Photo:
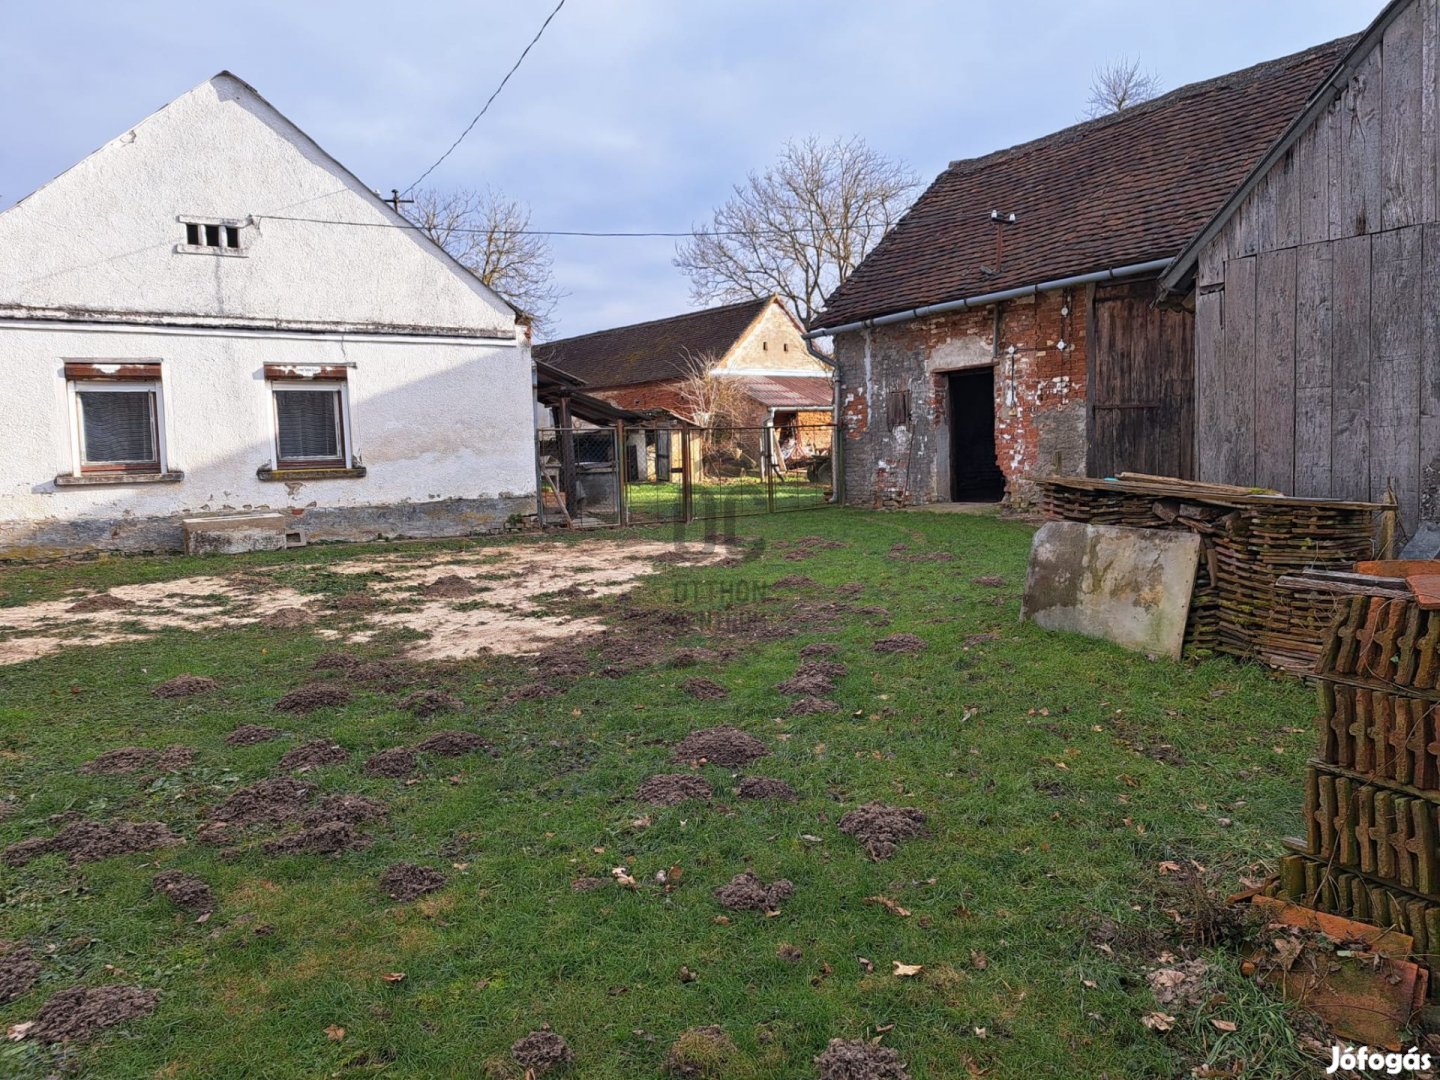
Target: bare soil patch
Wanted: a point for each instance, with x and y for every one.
(423, 703)
(724, 745)
(860, 1060)
(882, 829)
(746, 892)
(586, 884)
(811, 706)
(699, 1052)
(265, 802)
(532, 692)
(406, 881)
(765, 787)
(329, 838)
(347, 808)
(813, 678)
(175, 758)
(100, 602)
(251, 734)
(18, 970)
(795, 581)
(314, 754)
(849, 590)
(704, 689)
(79, 1012)
(184, 890)
(450, 587)
(86, 841)
(287, 618)
(355, 601)
(451, 743)
(819, 648)
(312, 696)
(394, 763)
(671, 789)
(994, 581)
(542, 1051)
(125, 759)
(900, 643)
(185, 686)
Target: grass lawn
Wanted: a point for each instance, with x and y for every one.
(1070, 789)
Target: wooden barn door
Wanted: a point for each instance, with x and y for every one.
(1140, 390)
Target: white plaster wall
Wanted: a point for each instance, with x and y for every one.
(101, 237)
(431, 419)
(777, 329)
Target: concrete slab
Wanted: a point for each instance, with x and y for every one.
(1129, 586)
(230, 534)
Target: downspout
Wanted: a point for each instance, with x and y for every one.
(1154, 266)
(837, 438)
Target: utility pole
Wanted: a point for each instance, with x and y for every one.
(395, 200)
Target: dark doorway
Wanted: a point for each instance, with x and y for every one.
(974, 474)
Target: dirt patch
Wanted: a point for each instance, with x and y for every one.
(314, 754)
(18, 971)
(265, 802)
(764, 787)
(882, 829)
(818, 649)
(699, 1052)
(405, 881)
(859, 1060)
(704, 689)
(795, 581)
(350, 809)
(542, 1051)
(423, 703)
(451, 743)
(329, 838)
(175, 758)
(532, 692)
(184, 890)
(286, 618)
(850, 589)
(251, 734)
(900, 643)
(126, 759)
(672, 789)
(449, 587)
(811, 706)
(813, 678)
(86, 841)
(994, 581)
(723, 745)
(355, 601)
(394, 764)
(586, 884)
(683, 658)
(79, 1012)
(185, 686)
(311, 696)
(100, 602)
(746, 892)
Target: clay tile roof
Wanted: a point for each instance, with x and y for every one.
(788, 391)
(1123, 189)
(651, 351)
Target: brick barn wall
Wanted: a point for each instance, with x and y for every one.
(1039, 398)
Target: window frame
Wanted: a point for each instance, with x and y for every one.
(224, 227)
(80, 467)
(341, 389)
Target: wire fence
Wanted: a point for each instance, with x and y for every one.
(639, 475)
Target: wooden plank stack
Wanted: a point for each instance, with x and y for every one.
(1372, 796)
(1251, 540)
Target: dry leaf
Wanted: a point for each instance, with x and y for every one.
(864, 963)
(979, 960)
(334, 1033)
(622, 877)
(1158, 1021)
(1224, 1025)
(905, 971)
(1168, 867)
(889, 905)
(393, 977)
(16, 1032)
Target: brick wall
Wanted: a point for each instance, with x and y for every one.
(1039, 397)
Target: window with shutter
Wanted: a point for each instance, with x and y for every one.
(309, 427)
(117, 430)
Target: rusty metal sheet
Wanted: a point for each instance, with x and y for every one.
(1126, 585)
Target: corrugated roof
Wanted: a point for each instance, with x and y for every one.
(788, 391)
(1123, 189)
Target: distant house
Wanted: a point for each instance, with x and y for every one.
(1006, 325)
(210, 315)
(1316, 287)
(757, 344)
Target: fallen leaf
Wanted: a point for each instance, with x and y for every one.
(1168, 867)
(889, 905)
(393, 977)
(864, 963)
(1158, 1021)
(16, 1032)
(905, 971)
(622, 877)
(979, 960)
(1224, 1025)
(334, 1033)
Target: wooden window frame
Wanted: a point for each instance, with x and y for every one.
(80, 466)
(341, 389)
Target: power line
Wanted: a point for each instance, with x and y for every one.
(490, 99)
(564, 232)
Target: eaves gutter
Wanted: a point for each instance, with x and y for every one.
(1154, 266)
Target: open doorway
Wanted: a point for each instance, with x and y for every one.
(975, 475)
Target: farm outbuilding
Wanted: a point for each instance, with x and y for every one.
(1316, 287)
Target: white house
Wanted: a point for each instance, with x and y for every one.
(211, 315)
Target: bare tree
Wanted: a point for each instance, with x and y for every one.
(485, 232)
(799, 228)
(1119, 84)
(717, 406)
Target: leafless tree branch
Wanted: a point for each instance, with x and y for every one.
(1119, 84)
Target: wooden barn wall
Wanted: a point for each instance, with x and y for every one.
(1140, 398)
(1317, 308)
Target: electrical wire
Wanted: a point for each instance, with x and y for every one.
(489, 100)
(559, 232)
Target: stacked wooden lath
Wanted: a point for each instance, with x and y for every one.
(1372, 801)
(1250, 543)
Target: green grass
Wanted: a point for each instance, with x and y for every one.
(1048, 826)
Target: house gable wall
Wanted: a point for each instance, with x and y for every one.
(775, 345)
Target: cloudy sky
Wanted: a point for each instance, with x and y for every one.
(629, 114)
